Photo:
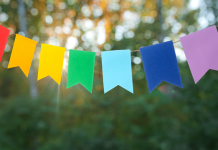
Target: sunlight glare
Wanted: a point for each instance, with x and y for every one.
(65, 64)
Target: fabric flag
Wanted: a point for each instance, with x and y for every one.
(116, 66)
(4, 34)
(160, 64)
(22, 53)
(51, 62)
(81, 69)
(201, 50)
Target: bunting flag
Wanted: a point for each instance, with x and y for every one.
(51, 62)
(116, 66)
(160, 64)
(3, 39)
(201, 50)
(159, 61)
(81, 69)
(22, 53)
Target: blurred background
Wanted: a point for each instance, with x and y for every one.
(45, 116)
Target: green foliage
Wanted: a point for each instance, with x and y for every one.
(115, 124)
(184, 119)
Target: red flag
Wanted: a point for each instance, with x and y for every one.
(4, 33)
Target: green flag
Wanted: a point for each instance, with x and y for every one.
(81, 69)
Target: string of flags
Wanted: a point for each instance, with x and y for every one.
(159, 61)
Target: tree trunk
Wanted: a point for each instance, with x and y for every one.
(23, 28)
(160, 20)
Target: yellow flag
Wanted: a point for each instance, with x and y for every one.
(51, 62)
(22, 53)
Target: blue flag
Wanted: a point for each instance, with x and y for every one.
(116, 66)
(160, 64)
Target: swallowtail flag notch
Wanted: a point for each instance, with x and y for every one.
(51, 62)
(116, 66)
(201, 50)
(160, 64)
(22, 53)
(4, 34)
(81, 69)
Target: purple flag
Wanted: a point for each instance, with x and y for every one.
(201, 50)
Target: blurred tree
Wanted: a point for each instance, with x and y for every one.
(23, 28)
(160, 19)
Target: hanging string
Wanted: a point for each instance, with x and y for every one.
(131, 51)
(99, 53)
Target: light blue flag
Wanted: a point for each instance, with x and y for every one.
(116, 66)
